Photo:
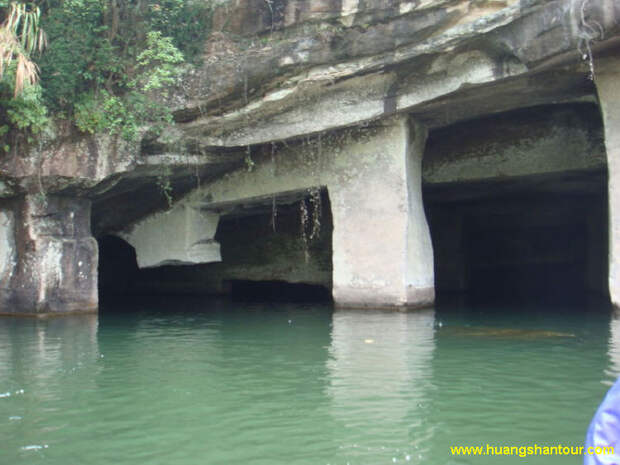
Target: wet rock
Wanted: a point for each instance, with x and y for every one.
(282, 71)
(49, 256)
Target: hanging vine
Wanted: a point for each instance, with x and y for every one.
(588, 31)
(274, 212)
(310, 219)
(165, 186)
(303, 218)
(274, 205)
(249, 163)
(315, 203)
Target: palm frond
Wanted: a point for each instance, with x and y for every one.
(26, 73)
(20, 36)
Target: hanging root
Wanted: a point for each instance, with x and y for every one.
(588, 30)
(303, 218)
(315, 202)
(274, 212)
(249, 163)
(165, 187)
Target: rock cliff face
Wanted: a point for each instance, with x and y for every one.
(286, 69)
(279, 73)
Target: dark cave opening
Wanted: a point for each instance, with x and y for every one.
(118, 268)
(526, 261)
(277, 291)
(267, 255)
(276, 251)
(528, 246)
(517, 205)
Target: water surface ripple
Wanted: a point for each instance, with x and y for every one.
(201, 382)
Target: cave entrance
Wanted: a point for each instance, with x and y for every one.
(525, 247)
(277, 291)
(118, 268)
(532, 232)
(276, 248)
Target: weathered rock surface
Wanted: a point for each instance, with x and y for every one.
(287, 69)
(608, 85)
(382, 253)
(49, 256)
(180, 236)
(372, 61)
(287, 72)
(536, 141)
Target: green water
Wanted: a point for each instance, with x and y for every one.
(190, 382)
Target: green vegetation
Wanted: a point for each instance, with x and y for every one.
(96, 63)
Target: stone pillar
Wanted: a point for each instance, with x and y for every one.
(608, 86)
(48, 259)
(382, 251)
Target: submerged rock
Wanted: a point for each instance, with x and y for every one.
(508, 333)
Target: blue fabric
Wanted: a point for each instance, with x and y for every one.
(604, 430)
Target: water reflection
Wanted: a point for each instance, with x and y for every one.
(614, 345)
(38, 359)
(183, 381)
(380, 370)
(36, 351)
(218, 380)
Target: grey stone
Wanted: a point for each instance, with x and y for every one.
(180, 236)
(50, 259)
(331, 85)
(382, 254)
(608, 85)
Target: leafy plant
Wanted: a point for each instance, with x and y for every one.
(106, 66)
(158, 64)
(80, 57)
(99, 112)
(20, 37)
(22, 117)
(26, 111)
(186, 22)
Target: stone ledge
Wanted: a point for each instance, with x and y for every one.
(50, 314)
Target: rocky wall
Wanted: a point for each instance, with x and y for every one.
(537, 141)
(49, 259)
(373, 178)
